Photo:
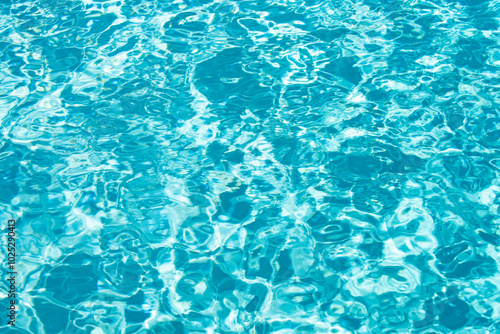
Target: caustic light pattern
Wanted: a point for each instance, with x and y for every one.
(284, 166)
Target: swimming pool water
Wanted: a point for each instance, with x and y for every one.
(207, 166)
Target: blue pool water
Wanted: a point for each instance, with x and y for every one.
(281, 167)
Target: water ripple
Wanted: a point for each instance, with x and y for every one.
(253, 166)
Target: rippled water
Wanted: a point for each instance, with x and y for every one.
(254, 166)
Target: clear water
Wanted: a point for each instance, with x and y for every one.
(252, 166)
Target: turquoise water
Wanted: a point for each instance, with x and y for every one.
(252, 167)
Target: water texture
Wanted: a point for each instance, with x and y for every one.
(252, 166)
